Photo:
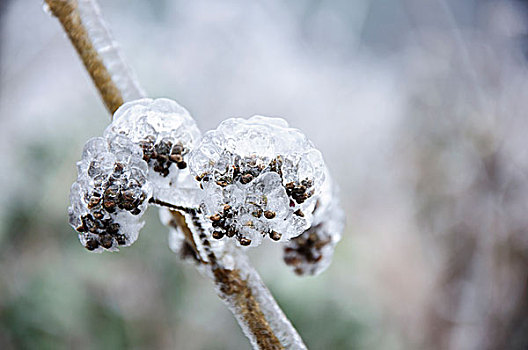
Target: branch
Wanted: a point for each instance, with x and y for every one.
(241, 288)
(88, 34)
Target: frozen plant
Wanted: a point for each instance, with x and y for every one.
(250, 179)
(110, 194)
(165, 132)
(311, 253)
(260, 178)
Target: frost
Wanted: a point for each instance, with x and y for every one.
(165, 132)
(110, 194)
(259, 178)
(311, 253)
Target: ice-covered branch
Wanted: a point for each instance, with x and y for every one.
(237, 283)
(101, 57)
(248, 192)
(142, 159)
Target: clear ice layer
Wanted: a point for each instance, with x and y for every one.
(165, 132)
(108, 50)
(311, 253)
(198, 247)
(110, 194)
(260, 178)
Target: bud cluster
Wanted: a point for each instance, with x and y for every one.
(110, 194)
(311, 252)
(165, 132)
(259, 178)
(249, 179)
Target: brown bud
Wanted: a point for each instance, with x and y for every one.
(246, 178)
(176, 158)
(109, 205)
(218, 234)
(221, 183)
(215, 217)
(244, 241)
(91, 244)
(113, 228)
(231, 232)
(118, 167)
(298, 212)
(106, 241)
(274, 235)
(268, 214)
(121, 240)
(93, 202)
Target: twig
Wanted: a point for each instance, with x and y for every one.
(240, 288)
(115, 87)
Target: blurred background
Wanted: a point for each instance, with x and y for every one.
(420, 108)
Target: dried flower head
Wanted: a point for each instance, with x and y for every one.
(260, 178)
(165, 132)
(110, 194)
(311, 253)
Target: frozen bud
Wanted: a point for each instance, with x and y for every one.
(110, 194)
(260, 178)
(164, 131)
(311, 253)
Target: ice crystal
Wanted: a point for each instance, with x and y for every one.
(110, 194)
(259, 178)
(165, 132)
(311, 253)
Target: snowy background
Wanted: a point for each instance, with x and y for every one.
(418, 106)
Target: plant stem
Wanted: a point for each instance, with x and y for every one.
(241, 287)
(171, 206)
(97, 50)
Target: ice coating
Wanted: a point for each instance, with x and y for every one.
(165, 132)
(260, 178)
(198, 247)
(110, 194)
(311, 253)
(108, 50)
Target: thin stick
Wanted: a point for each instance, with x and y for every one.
(115, 89)
(171, 206)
